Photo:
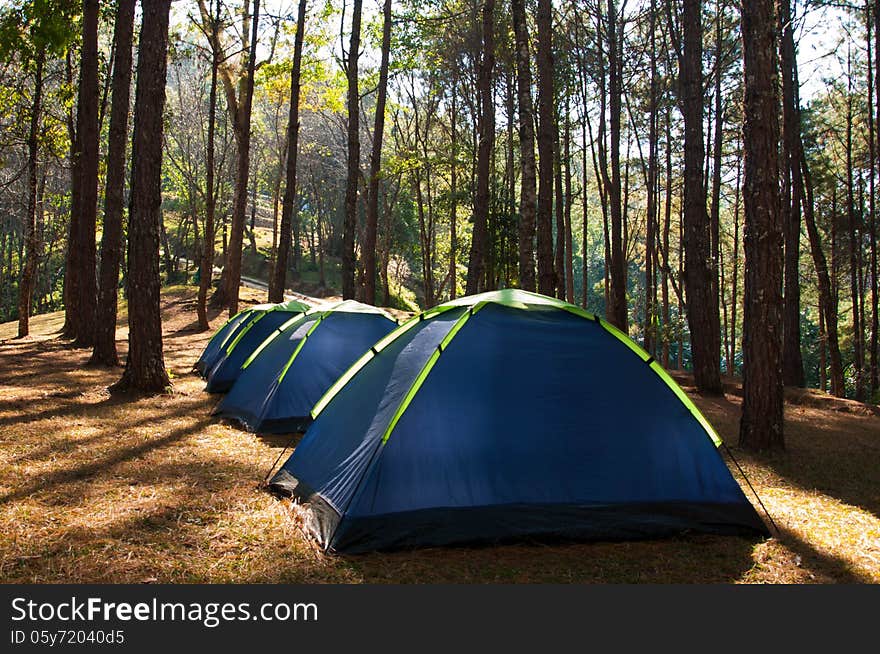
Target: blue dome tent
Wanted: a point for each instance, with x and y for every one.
(296, 364)
(508, 415)
(250, 332)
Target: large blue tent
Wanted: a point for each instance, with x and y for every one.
(244, 339)
(296, 364)
(508, 415)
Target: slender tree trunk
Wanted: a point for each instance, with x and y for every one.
(858, 352)
(702, 309)
(349, 227)
(559, 211)
(544, 215)
(569, 252)
(231, 278)
(87, 169)
(734, 294)
(288, 204)
(372, 226)
(104, 352)
(792, 361)
(72, 252)
(761, 427)
(875, 289)
(667, 224)
(206, 269)
(617, 310)
(651, 217)
(145, 364)
(480, 238)
(528, 185)
(31, 238)
(826, 283)
(453, 192)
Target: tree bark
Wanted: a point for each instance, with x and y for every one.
(289, 212)
(480, 237)
(528, 187)
(544, 216)
(617, 309)
(372, 217)
(31, 238)
(702, 308)
(792, 360)
(145, 364)
(104, 352)
(85, 297)
(349, 228)
(206, 266)
(761, 426)
(241, 114)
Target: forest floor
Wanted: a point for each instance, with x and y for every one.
(95, 488)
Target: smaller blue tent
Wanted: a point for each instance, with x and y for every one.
(296, 364)
(223, 336)
(252, 331)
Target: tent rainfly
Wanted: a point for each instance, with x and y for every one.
(295, 365)
(508, 415)
(223, 368)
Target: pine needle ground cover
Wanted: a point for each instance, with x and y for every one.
(95, 488)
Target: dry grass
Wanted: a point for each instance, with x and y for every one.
(101, 489)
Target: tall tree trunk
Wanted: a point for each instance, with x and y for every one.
(104, 352)
(702, 307)
(87, 140)
(289, 212)
(349, 226)
(651, 218)
(206, 269)
(667, 225)
(544, 216)
(569, 252)
(734, 293)
(372, 217)
(480, 238)
(875, 169)
(453, 211)
(761, 426)
(528, 187)
(231, 278)
(827, 287)
(617, 310)
(31, 238)
(559, 210)
(145, 364)
(854, 246)
(72, 253)
(792, 361)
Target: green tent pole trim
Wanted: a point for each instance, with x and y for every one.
(245, 331)
(429, 364)
(254, 322)
(661, 372)
(229, 335)
(300, 345)
(387, 340)
(272, 337)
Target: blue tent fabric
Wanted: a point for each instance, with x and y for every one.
(272, 397)
(225, 371)
(214, 349)
(532, 423)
